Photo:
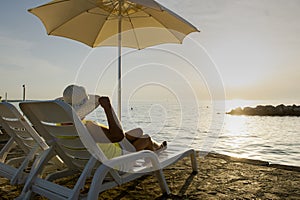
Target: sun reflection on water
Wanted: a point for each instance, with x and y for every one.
(238, 133)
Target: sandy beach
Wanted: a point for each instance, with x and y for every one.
(219, 177)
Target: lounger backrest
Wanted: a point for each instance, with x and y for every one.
(11, 121)
(60, 126)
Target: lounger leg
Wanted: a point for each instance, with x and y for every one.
(37, 167)
(4, 151)
(84, 175)
(59, 174)
(18, 178)
(96, 184)
(162, 181)
(15, 161)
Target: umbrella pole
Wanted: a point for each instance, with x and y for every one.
(119, 59)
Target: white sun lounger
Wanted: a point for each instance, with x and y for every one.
(22, 136)
(69, 143)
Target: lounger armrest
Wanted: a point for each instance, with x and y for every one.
(132, 157)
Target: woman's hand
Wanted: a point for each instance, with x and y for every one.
(104, 102)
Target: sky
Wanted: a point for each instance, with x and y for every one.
(245, 50)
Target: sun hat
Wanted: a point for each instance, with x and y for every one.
(81, 102)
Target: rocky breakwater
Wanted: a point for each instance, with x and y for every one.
(268, 110)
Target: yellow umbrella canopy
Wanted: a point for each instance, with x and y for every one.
(128, 23)
(96, 22)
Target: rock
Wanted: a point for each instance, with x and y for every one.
(237, 111)
(268, 110)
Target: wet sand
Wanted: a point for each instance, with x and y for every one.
(219, 177)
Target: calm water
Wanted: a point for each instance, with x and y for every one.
(206, 127)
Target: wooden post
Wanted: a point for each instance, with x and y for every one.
(24, 92)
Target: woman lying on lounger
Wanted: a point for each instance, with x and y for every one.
(83, 104)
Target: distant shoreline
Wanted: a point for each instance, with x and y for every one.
(16, 100)
(11, 100)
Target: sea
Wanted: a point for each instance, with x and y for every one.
(205, 126)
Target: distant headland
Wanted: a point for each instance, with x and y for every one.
(268, 110)
(13, 100)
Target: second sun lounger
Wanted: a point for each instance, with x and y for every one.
(23, 136)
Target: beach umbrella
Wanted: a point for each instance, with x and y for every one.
(113, 23)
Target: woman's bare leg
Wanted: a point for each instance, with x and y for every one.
(146, 143)
(134, 134)
(102, 134)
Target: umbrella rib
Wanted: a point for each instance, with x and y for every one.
(149, 15)
(87, 11)
(169, 29)
(135, 35)
(178, 17)
(95, 13)
(115, 5)
(97, 35)
(110, 11)
(54, 29)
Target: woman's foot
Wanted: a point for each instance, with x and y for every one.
(161, 147)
